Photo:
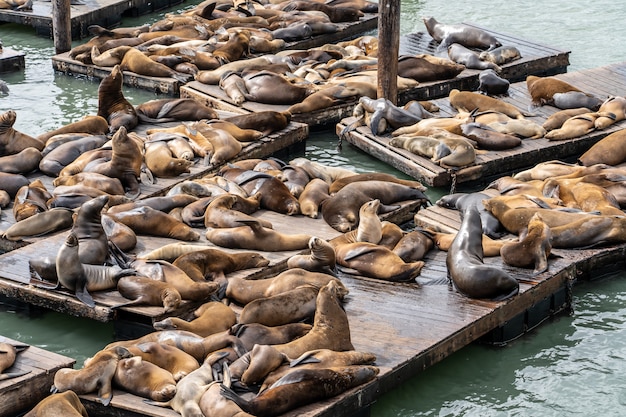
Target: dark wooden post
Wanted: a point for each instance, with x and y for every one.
(61, 26)
(388, 41)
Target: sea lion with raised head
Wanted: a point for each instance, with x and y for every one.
(321, 259)
(112, 105)
(13, 141)
(531, 250)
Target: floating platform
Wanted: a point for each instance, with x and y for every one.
(536, 59)
(23, 393)
(602, 82)
(11, 60)
(169, 86)
(412, 326)
(105, 13)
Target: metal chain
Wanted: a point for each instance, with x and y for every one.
(453, 182)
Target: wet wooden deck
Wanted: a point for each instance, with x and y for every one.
(106, 13)
(536, 59)
(602, 82)
(169, 86)
(23, 393)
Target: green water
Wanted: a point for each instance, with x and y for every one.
(569, 366)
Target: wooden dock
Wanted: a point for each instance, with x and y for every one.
(170, 86)
(23, 393)
(105, 13)
(11, 60)
(536, 59)
(602, 82)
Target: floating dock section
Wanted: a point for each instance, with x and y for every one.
(536, 59)
(11, 60)
(23, 393)
(84, 13)
(601, 82)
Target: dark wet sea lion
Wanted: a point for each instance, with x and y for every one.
(465, 56)
(64, 154)
(23, 162)
(40, 224)
(489, 82)
(11, 183)
(488, 138)
(464, 260)
(463, 201)
(254, 333)
(265, 121)
(88, 229)
(471, 37)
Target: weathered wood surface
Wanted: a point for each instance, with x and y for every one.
(23, 393)
(601, 82)
(106, 13)
(169, 86)
(11, 60)
(536, 60)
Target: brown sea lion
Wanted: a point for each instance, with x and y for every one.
(253, 236)
(270, 88)
(23, 162)
(243, 291)
(213, 264)
(254, 333)
(242, 135)
(375, 261)
(574, 127)
(321, 259)
(11, 183)
(469, 101)
(333, 95)
(160, 161)
(594, 230)
(13, 141)
(556, 120)
(330, 330)
(110, 57)
(220, 213)
(466, 269)
(173, 109)
(542, 89)
(30, 199)
(96, 374)
(413, 246)
(174, 360)
(135, 61)
(40, 224)
(146, 291)
(148, 221)
(65, 404)
(144, 379)
(339, 183)
(532, 250)
(93, 125)
(426, 67)
(8, 356)
(210, 318)
(92, 239)
(312, 196)
(608, 150)
(443, 241)
(58, 158)
(112, 105)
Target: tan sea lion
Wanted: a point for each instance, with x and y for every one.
(339, 183)
(542, 89)
(213, 264)
(469, 101)
(172, 359)
(312, 196)
(426, 146)
(112, 105)
(144, 379)
(148, 221)
(253, 236)
(501, 54)
(65, 404)
(92, 179)
(524, 128)
(376, 261)
(325, 172)
(574, 127)
(146, 291)
(333, 95)
(220, 213)
(173, 109)
(594, 230)
(96, 374)
(466, 269)
(608, 150)
(210, 318)
(254, 333)
(443, 241)
(40, 224)
(532, 250)
(8, 356)
(30, 199)
(426, 67)
(556, 120)
(615, 105)
(13, 141)
(135, 61)
(160, 161)
(110, 57)
(321, 259)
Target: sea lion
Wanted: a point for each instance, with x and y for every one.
(469, 101)
(489, 82)
(146, 291)
(144, 379)
(574, 127)
(148, 221)
(303, 386)
(316, 191)
(465, 56)
(210, 318)
(489, 138)
(341, 210)
(532, 250)
(425, 146)
(64, 154)
(254, 333)
(614, 105)
(426, 67)
(242, 135)
(160, 161)
(65, 404)
(13, 141)
(290, 306)
(270, 88)
(375, 261)
(174, 360)
(220, 213)
(110, 57)
(556, 120)
(30, 199)
(243, 291)
(333, 95)
(174, 109)
(463, 201)
(321, 259)
(331, 329)
(382, 108)
(92, 239)
(161, 203)
(608, 150)
(112, 105)
(583, 233)
(574, 100)
(96, 374)
(213, 264)
(524, 128)
(466, 269)
(135, 61)
(92, 179)
(40, 224)
(465, 35)
(8, 355)
(11, 183)
(542, 89)
(22, 162)
(325, 172)
(256, 364)
(501, 55)
(90, 124)
(413, 246)
(253, 236)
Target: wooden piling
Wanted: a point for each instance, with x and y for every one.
(61, 26)
(388, 41)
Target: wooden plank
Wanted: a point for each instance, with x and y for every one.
(22, 393)
(11, 60)
(600, 82)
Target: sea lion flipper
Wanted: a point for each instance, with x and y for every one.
(306, 357)
(358, 251)
(83, 295)
(10, 375)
